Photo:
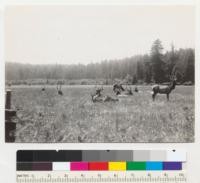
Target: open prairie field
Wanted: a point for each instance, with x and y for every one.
(44, 116)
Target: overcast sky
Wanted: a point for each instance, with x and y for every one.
(84, 34)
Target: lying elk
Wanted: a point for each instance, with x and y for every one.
(59, 90)
(164, 89)
(97, 94)
(99, 97)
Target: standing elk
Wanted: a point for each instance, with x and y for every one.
(59, 90)
(157, 89)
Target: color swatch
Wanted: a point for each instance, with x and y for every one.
(116, 166)
(99, 160)
(100, 166)
(91, 166)
(78, 166)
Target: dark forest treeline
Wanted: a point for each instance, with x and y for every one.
(154, 67)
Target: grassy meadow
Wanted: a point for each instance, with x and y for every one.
(44, 116)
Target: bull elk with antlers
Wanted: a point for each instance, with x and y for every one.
(157, 89)
(99, 97)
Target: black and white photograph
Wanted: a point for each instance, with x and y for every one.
(99, 73)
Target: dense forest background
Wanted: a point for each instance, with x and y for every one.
(155, 67)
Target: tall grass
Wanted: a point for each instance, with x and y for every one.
(73, 117)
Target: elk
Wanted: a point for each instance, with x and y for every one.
(99, 97)
(136, 89)
(128, 91)
(120, 91)
(118, 88)
(164, 89)
(43, 88)
(59, 90)
(97, 94)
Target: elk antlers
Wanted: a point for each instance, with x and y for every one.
(173, 73)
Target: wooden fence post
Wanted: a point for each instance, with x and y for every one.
(10, 126)
(8, 99)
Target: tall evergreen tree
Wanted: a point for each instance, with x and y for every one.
(189, 73)
(157, 61)
(171, 60)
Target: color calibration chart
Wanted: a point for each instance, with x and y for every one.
(48, 166)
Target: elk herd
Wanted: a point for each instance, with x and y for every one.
(118, 89)
(121, 91)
